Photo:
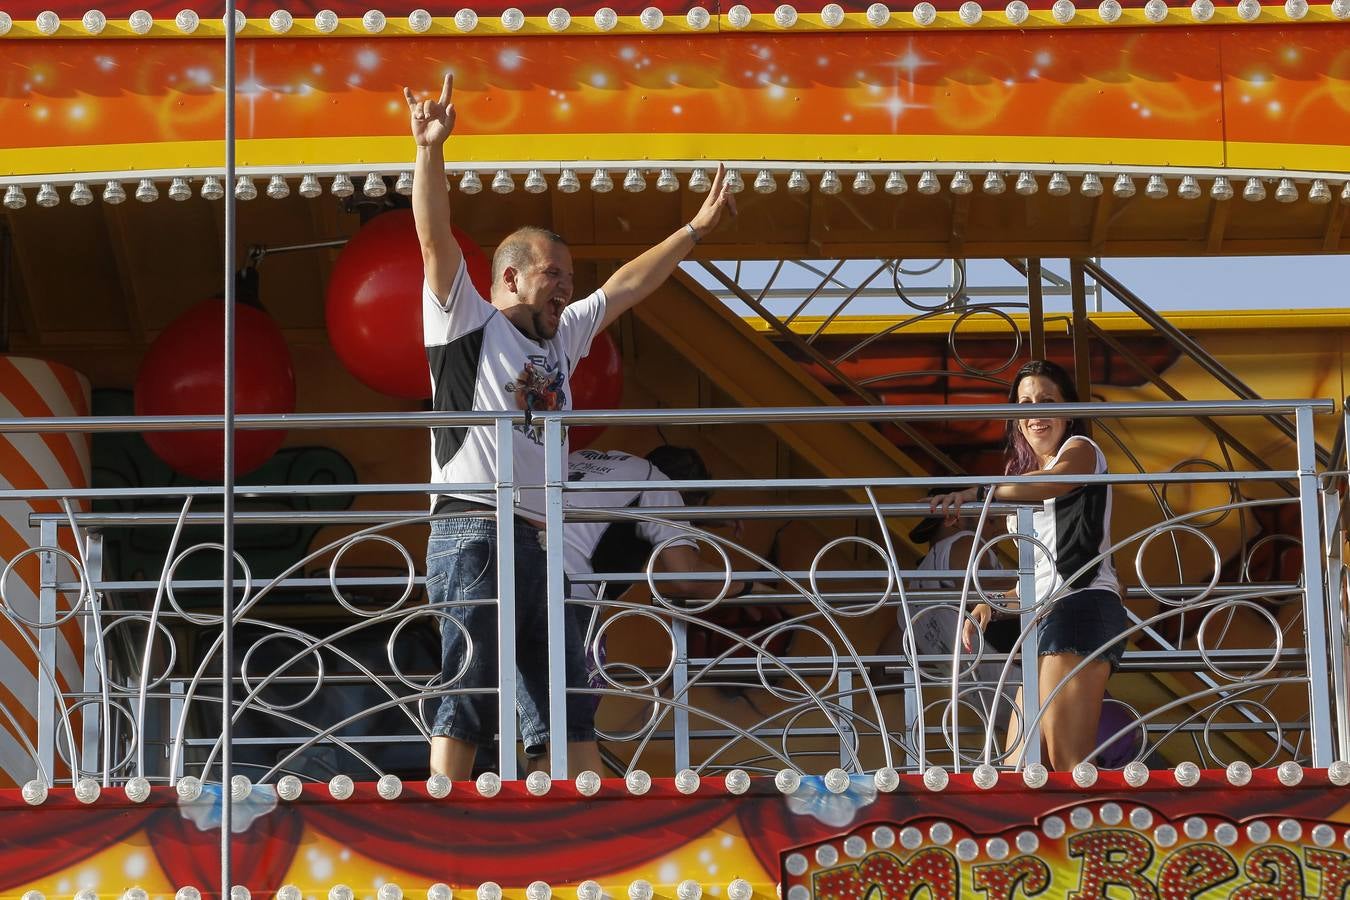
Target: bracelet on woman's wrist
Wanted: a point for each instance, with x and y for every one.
(693, 232)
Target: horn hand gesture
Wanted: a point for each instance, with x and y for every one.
(432, 120)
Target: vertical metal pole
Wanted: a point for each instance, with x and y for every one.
(679, 688)
(177, 690)
(1031, 675)
(1082, 360)
(913, 700)
(90, 733)
(1335, 538)
(1314, 594)
(506, 600)
(555, 474)
(47, 640)
(844, 724)
(227, 477)
(1036, 308)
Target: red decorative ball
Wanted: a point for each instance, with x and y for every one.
(374, 304)
(183, 374)
(597, 383)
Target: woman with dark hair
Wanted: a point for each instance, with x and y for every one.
(1074, 522)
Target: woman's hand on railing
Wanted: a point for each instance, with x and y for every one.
(978, 621)
(948, 505)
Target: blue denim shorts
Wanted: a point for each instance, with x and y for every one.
(461, 567)
(1084, 622)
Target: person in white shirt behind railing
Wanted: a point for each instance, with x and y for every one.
(626, 545)
(516, 351)
(1086, 617)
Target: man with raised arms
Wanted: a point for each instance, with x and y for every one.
(517, 351)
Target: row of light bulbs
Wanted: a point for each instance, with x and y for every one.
(832, 15)
(687, 781)
(640, 889)
(895, 183)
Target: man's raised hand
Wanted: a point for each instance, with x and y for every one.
(432, 120)
(718, 199)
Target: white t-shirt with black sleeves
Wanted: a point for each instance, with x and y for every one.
(580, 539)
(480, 361)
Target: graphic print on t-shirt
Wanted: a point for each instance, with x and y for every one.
(538, 388)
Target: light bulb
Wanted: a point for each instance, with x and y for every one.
(878, 14)
(1123, 187)
(1109, 11)
(634, 182)
(797, 182)
(187, 21)
(785, 15)
(1035, 776)
(640, 889)
(1202, 10)
(651, 18)
(80, 195)
(1091, 186)
(970, 12)
(390, 787)
(1156, 188)
(928, 183)
(735, 184)
(984, 777)
(689, 889)
(502, 182)
(374, 21)
(589, 890)
(787, 781)
(289, 787)
(993, 183)
(935, 778)
(1254, 190)
(470, 183)
(538, 890)
(697, 18)
(1187, 774)
(832, 15)
(340, 787)
(326, 21)
(46, 196)
(35, 792)
(738, 16)
(48, 22)
(489, 784)
(886, 779)
(87, 790)
(764, 182)
(1318, 192)
(1026, 184)
(113, 193)
(1063, 11)
(466, 20)
(137, 789)
(140, 21)
(737, 781)
(277, 188)
(94, 22)
(1296, 9)
(829, 182)
(666, 182)
(1136, 774)
(1221, 189)
(188, 788)
(687, 781)
(925, 13)
(1286, 191)
(1017, 12)
(863, 183)
(1155, 11)
(245, 189)
(1058, 185)
(606, 18)
(601, 183)
(419, 21)
(895, 184)
(1290, 773)
(1189, 189)
(1249, 10)
(535, 182)
(147, 191)
(1085, 774)
(1338, 773)
(961, 183)
(638, 782)
(698, 181)
(1239, 773)
(538, 783)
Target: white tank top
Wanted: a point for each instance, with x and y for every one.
(1077, 528)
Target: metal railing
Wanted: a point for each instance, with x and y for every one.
(339, 670)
